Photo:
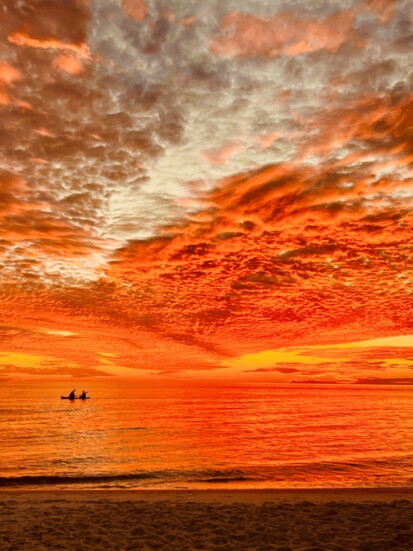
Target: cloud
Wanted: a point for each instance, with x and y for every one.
(33, 236)
(9, 74)
(59, 370)
(68, 63)
(204, 183)
(43, 21)
(385, 8)
(287, 33)
(136, 9)
(226, 151)
(352, 362)
(22, 38)
(286, 370)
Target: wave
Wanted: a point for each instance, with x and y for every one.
(306, 473)
(45, 480)
(212, 476)
(225, 475)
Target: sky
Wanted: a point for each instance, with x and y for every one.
(218, 189)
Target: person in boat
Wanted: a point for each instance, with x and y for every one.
(83, 395)
(72, 395)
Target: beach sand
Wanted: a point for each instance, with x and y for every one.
(311, 520)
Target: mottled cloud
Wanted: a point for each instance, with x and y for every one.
(68, 63)
(189, 184)
(389, 359)
(287, 33)
(137, 9)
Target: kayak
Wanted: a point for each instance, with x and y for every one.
(76, 398)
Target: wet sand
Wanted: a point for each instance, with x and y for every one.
(311, 520)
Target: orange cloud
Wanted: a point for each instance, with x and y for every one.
(267, 140)
(312, 250)
(220, 156)
(246, 35)
(22, 38)
(9, 74)
(44, 21)
(38, 235)
(385, 9)
(5, 99)
(69, 64)
(256, 274)
(137, 9)
(389, 359)
(13, 193)
(288, 256)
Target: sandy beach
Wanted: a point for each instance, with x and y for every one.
(311, 520)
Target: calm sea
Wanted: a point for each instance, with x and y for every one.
(188, 435)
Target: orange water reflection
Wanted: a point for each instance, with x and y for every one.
(202, 435)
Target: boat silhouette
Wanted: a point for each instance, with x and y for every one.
(74, 398)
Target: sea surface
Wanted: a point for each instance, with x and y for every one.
(203, 435)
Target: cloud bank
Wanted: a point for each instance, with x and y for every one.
(183, 184)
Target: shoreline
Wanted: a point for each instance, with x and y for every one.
(238, 495)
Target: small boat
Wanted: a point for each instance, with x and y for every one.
(75, 398)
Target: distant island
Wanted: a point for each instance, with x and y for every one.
(365, 381)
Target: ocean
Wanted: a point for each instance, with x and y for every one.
(198, 435)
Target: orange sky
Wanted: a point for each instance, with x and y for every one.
(192, 192)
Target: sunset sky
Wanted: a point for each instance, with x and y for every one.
(218, 189)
